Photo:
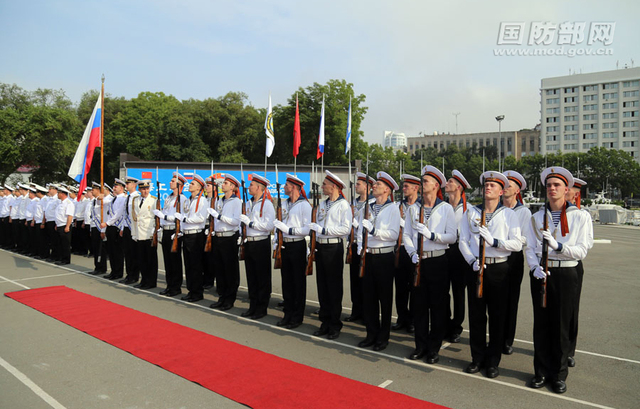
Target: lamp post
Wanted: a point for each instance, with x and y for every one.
(499, 118)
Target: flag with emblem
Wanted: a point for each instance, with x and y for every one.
(321, 133)
(268, 129)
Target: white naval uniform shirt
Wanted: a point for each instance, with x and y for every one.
(260, 226)
(127, 220)
(15, 207)
(116, 212)
(52, 208)
(503, 226)
(229, 211)
(386, 225)
(297, 216)
(65, 209)
(336, 222)
(3, 200)
(30, 209)
(81, 206)
(195, 219)
(441, 223)
(523, 215)
(22, 207)
(575, 244)
(6, 206)
(169, 209)
(38, 212)
(145, 223)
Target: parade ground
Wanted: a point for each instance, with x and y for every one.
(45, 363)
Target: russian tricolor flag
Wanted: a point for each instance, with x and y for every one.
(84, 155)
(321, 133)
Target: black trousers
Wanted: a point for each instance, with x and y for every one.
(116, 253)
(257, 262)
(404, 282)
(55, 240)
(210, 265)
(172, 261)
(574, 322)
(132, 257)
(99, 251)
(552, 325)
(429, 304)
(193, 253)
(38, 234)
(492, 307)
(355, 282)
(329, 266)
(516, 272)
(294, 280)
(76, 240)
(225, 250)
(31, 238)
(458, 271)
(64, 244)
(148, 260)
(377, 287)
(6, 232)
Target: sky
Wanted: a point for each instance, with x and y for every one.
(418, 62)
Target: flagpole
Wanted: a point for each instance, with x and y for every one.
(102, 151)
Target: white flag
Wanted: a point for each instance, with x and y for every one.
(268, 129)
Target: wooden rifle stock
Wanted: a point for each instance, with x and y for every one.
(174, 244)
(154, 241)
(481, 246)
(277, 253)
(312, 244)
(243, 226)
(212, 220)
(365, 239)
(544, 259)
(397, 260)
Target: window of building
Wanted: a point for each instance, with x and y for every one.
(628, 144)
(569, 118)
(607, 135)
(571, 136)
(630, 134)
(591, 135)
(592, 107)
(551, 138)
(568, 100)
(589, 126)
(570, 90)
(610, 105)
(609, 125)
(610, 145)
(609, 95)
(610, 115)
(628, 84)
(590, 117)
(551, 129)
(552, 148)
(590, 88)
(570, 109)
(552, 91)
(553, 119)
(628, 94)
(588, 98)
(611, 85)
(570, 146)
(629, 124)
(589, 145)
(630, 104)
(553, 110)
(629, 114)
(551, 101)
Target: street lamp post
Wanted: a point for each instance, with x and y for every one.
(499, 118)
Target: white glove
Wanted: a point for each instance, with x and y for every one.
(539, 273)
(178, 216)
(213, 212)
(355, 223)
(359, 249)
(424, 230)
(158, 213)
(275, 244)
(476, 265)
(367, 225)
(402, 223)
(415, 258)
(281, 226)
(206, 232)
(245, 219)
(486, 235)
(316, 227)
(170, 218)
(553, 243)
(308, 251)
(173, 236)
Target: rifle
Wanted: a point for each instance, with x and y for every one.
(397, 260)
(174, 244)
(416, 276)
(314, 217)
(212, 220)
(243, 227)
(481, 245)
(544, 259)
(154, 242)
(277, 253)
(365, 235)
(349, 256)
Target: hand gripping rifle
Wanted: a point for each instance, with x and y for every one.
(481, 245)
(544, 259)
(312, 244)
(154, 241)
(243, 226)
(277, 253)
(416, 275)
(365, 236)
(212, 220)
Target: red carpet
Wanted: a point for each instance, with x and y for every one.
(240, 373)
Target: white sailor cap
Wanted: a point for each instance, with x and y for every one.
(386, 178)
(108, 188)
(557, 172)
(52, 186)
(459, 177)
(180, 178)
(493, 176)
(231, 179)
(62, 189)
(119, 182)
(199, 179)
(41, 189)
(514, 176)
(259, 179)
(335, 180)
(365, 178)
(73, 189)
(87, 189)
(579, 183)
(410, 179)
(434, 173)
(295, 180)
(31, 189)
(9, 188)
(143, 183)
(95, 185)
(131, 179)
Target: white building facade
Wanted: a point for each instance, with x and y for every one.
(395, 140)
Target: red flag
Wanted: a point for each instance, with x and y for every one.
(296, 132)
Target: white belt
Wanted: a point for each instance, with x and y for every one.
(562, 263)
(494, 260)
(169, 227)
(329, 241)
(192, 231)
(225, 233)
(380, 250)
(257, 238)
(292, 239)
(431, 254)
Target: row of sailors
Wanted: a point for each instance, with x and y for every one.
(450, 233)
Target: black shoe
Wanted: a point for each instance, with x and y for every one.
(398, 326)
(258, 315)
(148, 287)
(333, 334)
(96, 272)
(411, 329)
(432, 359)
(571, 362)
(559, 386)
(320, 332)
(379, 346)
(537, 382)
(217, 304)
(353, 318)
(454, 338)
(507, 350)
(122, 281)
(186, 297)
(195, 298)
(173, 293)
(293, 325)
(115, 278)
(139, 285)
(418, 353)
(164, 292)
(129, 281)
(62, 263)
(207, 286)
(366, 343)
(226, 307)
(283, 322)
(492, 372)
(473, 367)
(248, 313)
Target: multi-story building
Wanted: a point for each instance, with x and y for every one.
(583, 111)
(395, 140)
(512, 143)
